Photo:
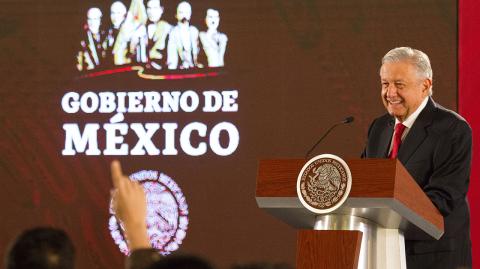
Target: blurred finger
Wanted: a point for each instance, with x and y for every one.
(113, 202)
(116, 171)
(113, 194)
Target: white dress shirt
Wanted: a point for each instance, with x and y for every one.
(408, 122)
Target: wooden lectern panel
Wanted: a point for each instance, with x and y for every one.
(328, 249)
(371, 177)
(278, 178)
(407, 192)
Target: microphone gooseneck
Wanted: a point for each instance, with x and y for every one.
(344, 121)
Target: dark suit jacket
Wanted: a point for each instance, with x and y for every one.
(437, 154)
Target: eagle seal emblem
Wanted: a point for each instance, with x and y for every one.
(167, 213)
(324, 183)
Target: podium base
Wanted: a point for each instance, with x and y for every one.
(379, 248)
(328, 249)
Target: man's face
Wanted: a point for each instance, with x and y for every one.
(117, 14)
(184, 12)
(154, 10)
(403, 89)
(213, 19)
(94, 17)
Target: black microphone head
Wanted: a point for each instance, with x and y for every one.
(348, 119)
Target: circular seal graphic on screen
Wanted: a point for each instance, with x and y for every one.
(324, 183)
(167, 213)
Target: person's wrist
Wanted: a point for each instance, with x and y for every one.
(137, 235)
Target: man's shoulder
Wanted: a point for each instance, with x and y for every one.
(447, 113)
(385, 119)
(448, 119)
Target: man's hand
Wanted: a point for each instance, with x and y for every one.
(130, 207)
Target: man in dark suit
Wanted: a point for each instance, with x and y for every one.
(434, 144)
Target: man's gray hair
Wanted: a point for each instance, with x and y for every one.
(416, 57)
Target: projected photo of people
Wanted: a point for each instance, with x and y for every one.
(183, 43)
(118, 13)
(91, 51)
(213, 42)
(138, 35)
(158, 31)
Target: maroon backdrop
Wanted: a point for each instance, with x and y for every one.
(468, 102)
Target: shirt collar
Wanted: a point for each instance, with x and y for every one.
(411, 119)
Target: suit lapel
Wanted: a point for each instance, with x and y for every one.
(418, 133)
(385, 139)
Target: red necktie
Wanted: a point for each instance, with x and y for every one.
(397, 140)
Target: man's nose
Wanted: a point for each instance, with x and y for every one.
(391, 91)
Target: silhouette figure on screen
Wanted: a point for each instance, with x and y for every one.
(118, 12)
(157, 31)
(136, 31)
(91, 52)
(41, 248)
(213, 42)
(131, 40)
(182, 48)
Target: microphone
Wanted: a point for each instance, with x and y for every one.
(348, 119)
(344, 121)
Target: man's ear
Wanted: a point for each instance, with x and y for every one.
(427, 84)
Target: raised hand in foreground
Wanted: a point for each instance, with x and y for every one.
(130, 207)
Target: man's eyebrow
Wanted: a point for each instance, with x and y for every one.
(395, 81)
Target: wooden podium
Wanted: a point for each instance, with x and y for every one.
(367, 231)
